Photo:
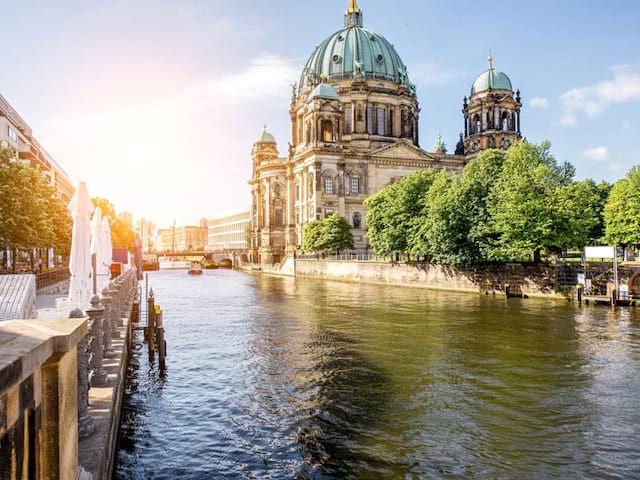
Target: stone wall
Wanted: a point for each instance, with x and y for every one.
(532, 280)
(38, 398)
(523, 279)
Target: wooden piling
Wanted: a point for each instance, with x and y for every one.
(151, 324)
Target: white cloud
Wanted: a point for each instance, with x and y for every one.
(592, 100)
(539, 102)
(267, 77)
(616, 167)
(597, 154)
(430, 75)
(568, 120)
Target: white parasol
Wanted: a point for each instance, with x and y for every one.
(81, 208)
(107, 250)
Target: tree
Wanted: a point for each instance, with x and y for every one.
(524, 202)
(312, 233)
(394, 214)
(330, 235)
(122, 235)
(336, 234)
(456, 231)
(622, 211)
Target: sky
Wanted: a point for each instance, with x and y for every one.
(156, 103)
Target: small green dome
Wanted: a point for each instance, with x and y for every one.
(266, 137)
(324, 91)
(491, 79)
(355, 52)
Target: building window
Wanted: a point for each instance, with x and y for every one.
(355, 185)
(328, 186)
(357, 220)
(327, 131)
(279, 217)
(348, 125)
(391, 122)
(329, 212)
(381, 119)
(370, 120)
(12, 134)
(298, 188)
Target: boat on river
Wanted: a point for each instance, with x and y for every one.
(210, 265)
(195, 269)
(174, 264)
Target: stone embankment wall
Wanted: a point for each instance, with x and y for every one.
(525, 279)
(533, 280)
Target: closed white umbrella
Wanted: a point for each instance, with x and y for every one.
(81, 208)
(98, 249)
(108, 249)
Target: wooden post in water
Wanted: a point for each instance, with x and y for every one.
(162, 353)
(151, 324)
(579, 292)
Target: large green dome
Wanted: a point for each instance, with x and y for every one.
(355, 52)
(491, 79)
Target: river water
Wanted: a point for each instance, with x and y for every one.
(276, 378)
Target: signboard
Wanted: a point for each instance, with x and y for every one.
(581, 279)
(600, 252)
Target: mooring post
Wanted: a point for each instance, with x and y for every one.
(151, 323)
(579, 292)
(86, 423)
(160, 331)
(507, 289)
(95, 313)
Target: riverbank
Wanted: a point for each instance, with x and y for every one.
(512, 279)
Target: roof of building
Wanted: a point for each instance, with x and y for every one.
(491, 79)
(324, 91)
(266, 137)
(355, 52)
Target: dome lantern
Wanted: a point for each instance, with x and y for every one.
(353, 15)
(266, 138)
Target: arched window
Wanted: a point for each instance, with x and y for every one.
(298, 190)
(504, 121)
(357, 220)
(381, 113)
(477, 127)
(307, 133)
(348, 121)
(327, 130)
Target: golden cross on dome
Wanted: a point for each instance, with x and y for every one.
(353, 7)
(490, 59)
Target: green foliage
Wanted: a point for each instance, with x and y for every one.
(394, 215)
(456, 230)
(504, 206)
(530, 211)
(330, 235)
(122, 234)
(622, 211)
(31, 216)
(312, 234)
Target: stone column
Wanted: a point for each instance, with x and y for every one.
(107, 321)
(86, 423)
(95, 313)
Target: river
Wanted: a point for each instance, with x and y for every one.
(279, 378)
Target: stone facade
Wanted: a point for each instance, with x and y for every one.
(354, 130)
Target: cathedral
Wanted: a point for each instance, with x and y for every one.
(354, 130)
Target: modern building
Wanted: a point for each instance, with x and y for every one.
(182, 239)
(18, 135)
(354, 130)
(229, 232)
(146, 231)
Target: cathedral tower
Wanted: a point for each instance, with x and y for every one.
(491, 113)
